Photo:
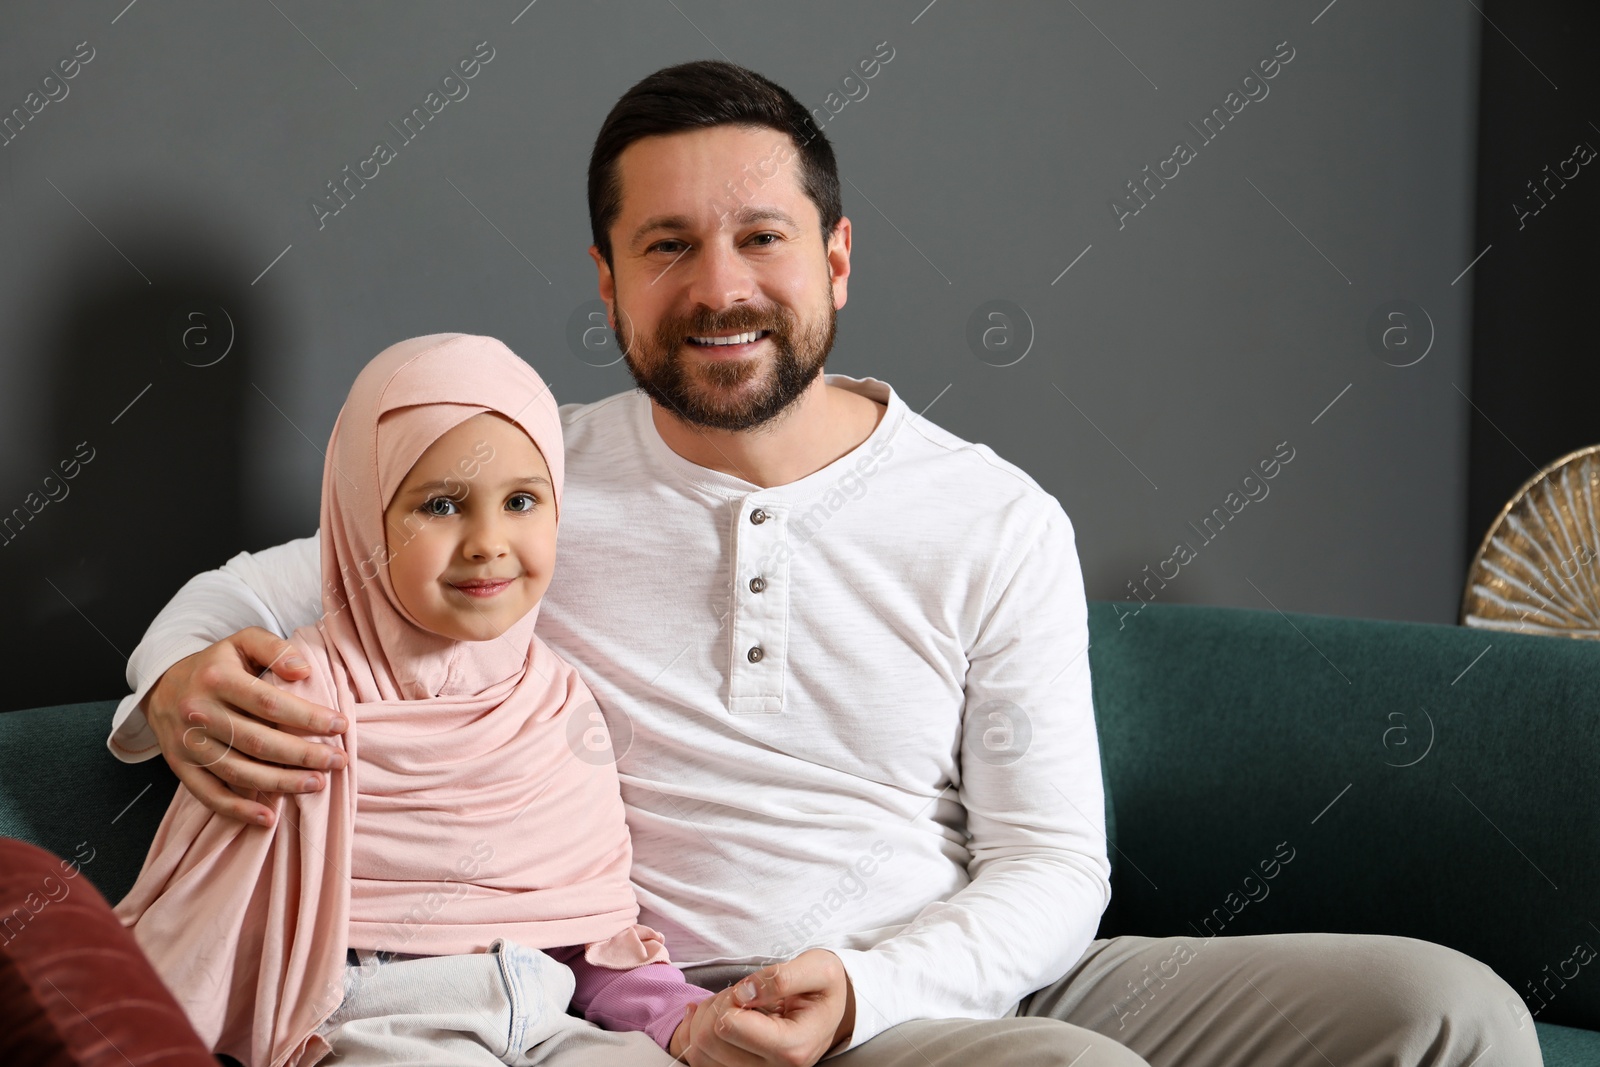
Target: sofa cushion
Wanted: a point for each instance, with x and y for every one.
(1565, 1046)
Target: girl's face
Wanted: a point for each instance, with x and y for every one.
(472, 530)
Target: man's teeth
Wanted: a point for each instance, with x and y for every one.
(736, 339)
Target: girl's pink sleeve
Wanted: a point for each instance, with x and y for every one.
(651, 998)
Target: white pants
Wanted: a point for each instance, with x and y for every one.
(507, 1005)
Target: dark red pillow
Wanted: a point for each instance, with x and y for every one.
(74, 987)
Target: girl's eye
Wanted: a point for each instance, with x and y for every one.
(526, 500)
(439, 506)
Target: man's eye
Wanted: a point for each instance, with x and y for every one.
(658, 246)
(522, 502)
(439, 505)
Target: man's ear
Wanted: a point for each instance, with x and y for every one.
(838, 256)
(607, 283)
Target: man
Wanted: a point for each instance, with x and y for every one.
(842, 656)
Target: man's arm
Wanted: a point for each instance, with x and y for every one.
(197, 698)
(1031, 785)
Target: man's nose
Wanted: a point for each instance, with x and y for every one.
(720, 276)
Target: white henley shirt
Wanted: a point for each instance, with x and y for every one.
(850, 712)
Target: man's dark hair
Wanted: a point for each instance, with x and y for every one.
(699, 95)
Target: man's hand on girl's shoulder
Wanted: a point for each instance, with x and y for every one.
(219, 725)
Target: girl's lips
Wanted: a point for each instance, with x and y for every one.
(483, 588)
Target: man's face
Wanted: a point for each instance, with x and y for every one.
(715, 240)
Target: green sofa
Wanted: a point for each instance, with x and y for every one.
(1429, 781)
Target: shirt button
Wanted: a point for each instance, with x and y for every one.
(755, 654)
(757, 517)
(757, 584)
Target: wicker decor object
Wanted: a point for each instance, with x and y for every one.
(1538, 569)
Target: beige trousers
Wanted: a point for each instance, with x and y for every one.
(1274, 1000)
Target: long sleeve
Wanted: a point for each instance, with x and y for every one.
(1030, 781)
(651, 998)
(276, 589)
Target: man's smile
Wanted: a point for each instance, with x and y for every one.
(729, 346)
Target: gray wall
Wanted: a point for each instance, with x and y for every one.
(1213, 325)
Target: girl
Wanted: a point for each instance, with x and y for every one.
(465, 875)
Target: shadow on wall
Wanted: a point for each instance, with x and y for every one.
(136, 480)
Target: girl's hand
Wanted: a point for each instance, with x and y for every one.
(695, 1041)
(699, 1020)
(679, 1044)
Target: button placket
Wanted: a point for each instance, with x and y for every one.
(759, 633)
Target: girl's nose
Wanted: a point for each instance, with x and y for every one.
(485, 541)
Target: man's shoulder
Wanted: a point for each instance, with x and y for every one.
(970, 467)
(600, 435)
(584, 418)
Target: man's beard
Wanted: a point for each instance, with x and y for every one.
(699, 392)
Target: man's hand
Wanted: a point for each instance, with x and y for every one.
(214, 720)
(786, 1015)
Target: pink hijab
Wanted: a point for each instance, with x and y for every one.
(462, 815)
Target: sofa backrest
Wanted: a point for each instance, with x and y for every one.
(1429, 781)
(62, 790)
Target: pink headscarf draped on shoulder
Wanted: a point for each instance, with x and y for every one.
(462, 815)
